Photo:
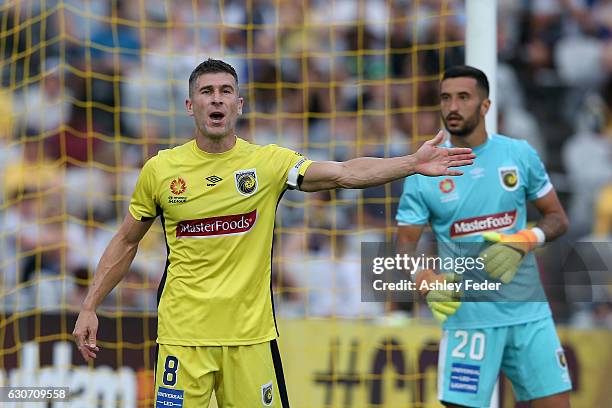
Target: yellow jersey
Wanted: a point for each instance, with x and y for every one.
(218, 212)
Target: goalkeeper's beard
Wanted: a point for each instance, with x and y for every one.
(468, 127)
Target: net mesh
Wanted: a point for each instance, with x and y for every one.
(92, 88)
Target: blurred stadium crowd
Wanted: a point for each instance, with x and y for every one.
(92, 88)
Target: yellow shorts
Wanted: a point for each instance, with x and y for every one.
(242, 376)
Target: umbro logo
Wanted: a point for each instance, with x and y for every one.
(213, 180)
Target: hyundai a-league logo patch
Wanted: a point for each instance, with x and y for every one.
(178, 186)
(447, 185)
(246, 181)
(509, 178)
(267, 394)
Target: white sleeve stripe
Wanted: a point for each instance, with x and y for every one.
(294, 173)
(442, 364)
(544, 190)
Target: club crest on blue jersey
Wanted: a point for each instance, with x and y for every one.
(267, 395)
(246, 181)
(509, 178)
(561, 359)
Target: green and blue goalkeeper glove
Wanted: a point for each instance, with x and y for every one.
(443, 303)
(503, 259)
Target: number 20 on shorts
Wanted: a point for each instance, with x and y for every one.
(476, 345)
(170, 371)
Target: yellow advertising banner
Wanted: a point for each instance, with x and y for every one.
(334, 363)
(328, 363)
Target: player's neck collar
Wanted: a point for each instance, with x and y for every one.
(226, 153)
(447, 143)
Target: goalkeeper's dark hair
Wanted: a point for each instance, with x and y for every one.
(462, 71)
(210, 66)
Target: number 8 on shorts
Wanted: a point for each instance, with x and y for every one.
(170, 371)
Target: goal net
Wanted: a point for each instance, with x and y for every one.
(90, 89)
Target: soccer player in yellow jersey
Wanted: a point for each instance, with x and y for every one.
(217, 196)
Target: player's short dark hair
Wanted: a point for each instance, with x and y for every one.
(210, 66)
(461, 71)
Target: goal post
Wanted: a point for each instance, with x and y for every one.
(481, 52)
(481, 47)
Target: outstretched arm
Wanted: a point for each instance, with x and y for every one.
(363, 172)
(114, 265)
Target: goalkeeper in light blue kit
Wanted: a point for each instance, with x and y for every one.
(487, 206)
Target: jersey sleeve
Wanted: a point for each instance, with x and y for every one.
(537, 184)
(292, 165)
(144, 201)
(412, 209)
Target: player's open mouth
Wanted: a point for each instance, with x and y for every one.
(216, 117)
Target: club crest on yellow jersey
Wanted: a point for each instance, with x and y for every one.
(267, 396)
(246, 181)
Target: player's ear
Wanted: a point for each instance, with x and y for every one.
(240, 103)
(189, 107)
(484, 106)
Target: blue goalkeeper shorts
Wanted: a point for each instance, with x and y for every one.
(529, 354)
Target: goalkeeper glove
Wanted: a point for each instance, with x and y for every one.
(443, 303)
(502, 259)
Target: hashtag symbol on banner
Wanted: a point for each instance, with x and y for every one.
(333, 378)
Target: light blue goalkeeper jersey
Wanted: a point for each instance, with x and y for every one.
(491, 195)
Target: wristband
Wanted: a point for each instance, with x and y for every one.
(539, 235)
